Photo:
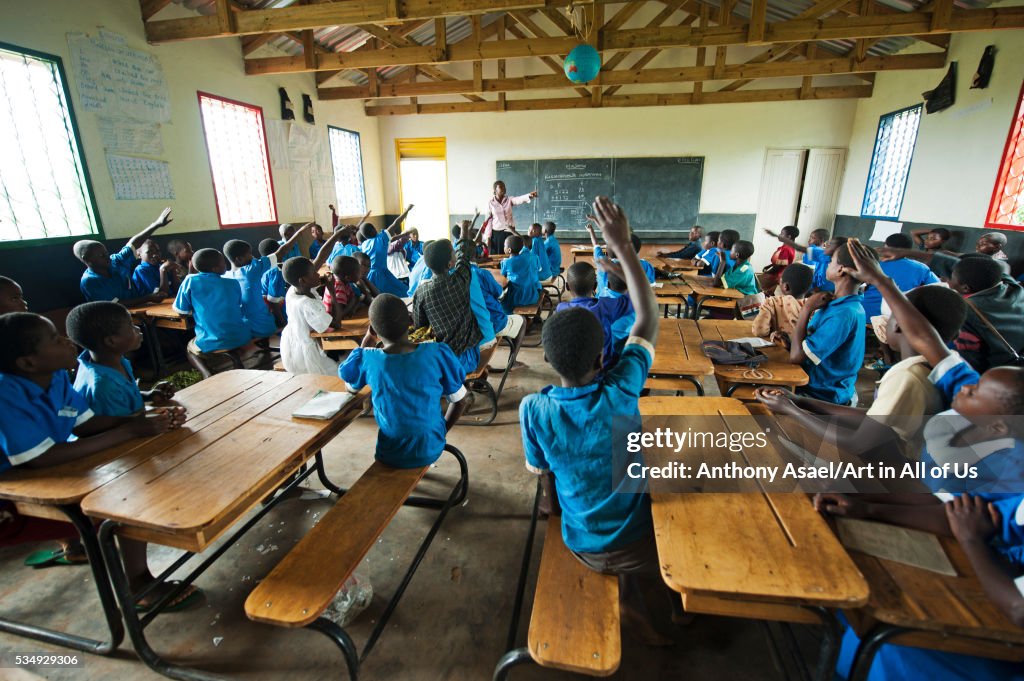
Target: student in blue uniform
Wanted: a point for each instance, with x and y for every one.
(581, 283)
(418, 274)
(691, 249)
(152, 274)
(215, 301)
(553, 248)
(599, 254)
(273, 287)
(906, 273)
(318, 240)
(105, 375)
(830, 346)
(536, 246)
(707, 257)
(407, 381)
(621, 327)
(522, 272)
(820, 280)
(108, 277)
(376, 246)
(287, 231)
(249, 271)
(413, 248)
(344, 245)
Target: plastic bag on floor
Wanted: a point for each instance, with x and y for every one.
(351, 601)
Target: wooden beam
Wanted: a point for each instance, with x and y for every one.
(225, 18)
(807, 84)
(501, 62)
(251, 43)
(677, 99)
(820, 9)
(152, 7)
(553, 64)
(309, 48)
(686, 74)
(756, 27)
(662, 16)
(441, 38)
(942, 11)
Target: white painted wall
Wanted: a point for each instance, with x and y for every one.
(958, 150)
(213, 66)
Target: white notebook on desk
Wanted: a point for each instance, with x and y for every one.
(324, 405)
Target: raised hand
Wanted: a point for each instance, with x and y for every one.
(865, 268)
(164, 219)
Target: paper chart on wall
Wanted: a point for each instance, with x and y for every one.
(116, 79)
(139, 178)
(130, 137)
(884, 229)
(303, 144)
(277, 140)
(323, 196)
(302, 194)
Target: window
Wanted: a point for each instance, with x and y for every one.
(890, 163)
(44, 185)
(1007, 207)
(347, 158)
(236, 143)
(423, 182)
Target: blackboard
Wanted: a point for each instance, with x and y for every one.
(657, 193)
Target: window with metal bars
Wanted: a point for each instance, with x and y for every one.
(1006, 210)
(347, 159)
(44, 185)
(236, 143)
(890, 164)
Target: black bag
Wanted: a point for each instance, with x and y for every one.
(731, 352)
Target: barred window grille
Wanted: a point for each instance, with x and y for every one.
(44, 185)
(347, 158)
(1006, 210)
(236, 143)
(890, 163)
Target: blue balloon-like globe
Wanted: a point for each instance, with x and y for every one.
(583, 64)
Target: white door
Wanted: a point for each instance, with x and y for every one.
(778, 201)
(820, 195)
(425, 185)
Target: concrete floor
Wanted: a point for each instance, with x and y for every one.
(452, 623)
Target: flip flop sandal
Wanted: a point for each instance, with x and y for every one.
(185, 600)
(50, 557)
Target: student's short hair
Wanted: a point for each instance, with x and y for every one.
(1014, 402)
(296, 268)
(367, 232)
(744, 249)
(842, 254)
(840, 240)
(549, 227)
(616, 283)
(944, 309)
(515, 243)
(389, 316)
(7, 281)
(727, 237)
(81, 248)
(790, 231)
(821, 233)
(345, 265)
(438, 255)
(799, 278)
(456, 233)
(149, 242)
(995, 237)
(268, 246)
(89, 323)
(284, 228)
(698, 228)
(635, 240)
(361, 258)
(978, 271)
(22, 333)
(713, 236)
(206, 259)
(899, 240)
(236, 248)
(573, 340)
(581, 278)
(537, 225)
(942, 233)
(176, 246)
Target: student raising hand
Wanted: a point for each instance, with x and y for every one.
(865, 268)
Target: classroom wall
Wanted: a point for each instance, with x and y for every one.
(213, 66)
(958, 150)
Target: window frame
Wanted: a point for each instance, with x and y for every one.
(77, 135)
(1004, 160)
(362, 173)
(266, 150)
(874, 153)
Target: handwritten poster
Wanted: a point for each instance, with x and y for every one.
(277, 140)
(139, 178)
(131, 137)
(302, 194)
(116, 79)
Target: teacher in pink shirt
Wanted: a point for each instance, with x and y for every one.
(499, 216)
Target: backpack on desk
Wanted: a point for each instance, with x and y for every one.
(731, 352)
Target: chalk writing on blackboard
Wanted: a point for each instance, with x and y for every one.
(118, 80)
(139, 178)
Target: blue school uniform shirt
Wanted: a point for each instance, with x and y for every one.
(108, 391)
(274, 288)
(820, 279)
(998, 463)
(146, 278)
(292, 252)
(418, 274)
(118, 286)
(710, 256)
(413, 252)
(602, 276)
(608, 310)
(835, 348)
(623, 326)
(479, 306)
(342, 249)
(906, 274)
(33, 419)
(523, 281)
(541, 254)
(254, 308)
(554, 254)
(406, 396)
(380, 276)
(492, 298)
(216, 304)
(568, 431)
(314, 248)
(951, 374)
(813, 254)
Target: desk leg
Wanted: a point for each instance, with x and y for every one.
(87, 533)
(341, 639)
(832, 637)
(868, 648)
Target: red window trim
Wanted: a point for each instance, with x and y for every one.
(266, 150)
(1004, 165)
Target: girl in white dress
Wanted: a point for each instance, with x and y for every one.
(300, 353)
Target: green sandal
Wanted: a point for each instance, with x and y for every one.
(50, 557)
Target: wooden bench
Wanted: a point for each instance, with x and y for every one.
(532, 313)
(302, 586)
(477, 384)
(574, 625)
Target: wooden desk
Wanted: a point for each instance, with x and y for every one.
(678, 355)
(777, 371)
(753, 555)
(703, 292)
(163, 315)
(674, 265)
(348, 336)
(673, 293)
(581, 252)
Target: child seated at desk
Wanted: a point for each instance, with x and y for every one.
(413, 248)
(553, 248)
(344, 245)
(152, 274)
(181, 256)
(45, 422)
(341, 295)
(581, 283)
(622, 326)
(906, 273)
(289, 244)
(109, 277)
(300, 352)
(933, 239)
(777, 316)
(364, 286)
(739, 275)
(707, 258)
(599, 253)
(248, 272)
(821, 261)
(407, 381)
(567, 434)
(317, 232)
(522, 272)
(691, 249)
(272, 284)
(215, 301)
(783, 257)
(376, 246)
(105, 378)
(535, 243)
(11, 297)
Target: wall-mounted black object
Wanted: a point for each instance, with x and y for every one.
(307, 109)
(944, 95)
(984, 72)
(287, 114)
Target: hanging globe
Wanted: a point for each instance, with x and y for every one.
(583, 64)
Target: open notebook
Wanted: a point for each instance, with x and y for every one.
(324, 405)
